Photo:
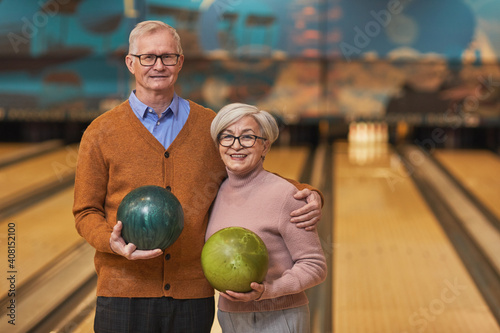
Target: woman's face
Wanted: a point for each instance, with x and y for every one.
(238, 159)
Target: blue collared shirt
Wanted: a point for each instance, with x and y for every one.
(168, 125)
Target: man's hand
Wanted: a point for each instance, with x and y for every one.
(129, 251)
(309, 215)
(255, 293)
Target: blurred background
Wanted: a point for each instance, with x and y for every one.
(390, 107)
(62, 62)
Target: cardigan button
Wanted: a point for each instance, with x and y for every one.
(167, 154)
(169, 188)
(167, 256)
(167, 286)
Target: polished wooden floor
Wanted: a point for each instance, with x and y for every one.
(478, 171)
(45, 230)
(393, 267)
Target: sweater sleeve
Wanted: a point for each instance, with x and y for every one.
(302, 186)
(309, 268)
(90, 193)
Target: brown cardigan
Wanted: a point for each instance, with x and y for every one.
(117, 154)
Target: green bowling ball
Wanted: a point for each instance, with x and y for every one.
(234, 257)
(152, 217)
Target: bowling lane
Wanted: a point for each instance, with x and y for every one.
(287, 161)
(20, 180)
(394, 267)
(477, 171)
(7, 148)
(42, 233)
(11, 152)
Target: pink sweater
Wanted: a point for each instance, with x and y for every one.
(262, 201)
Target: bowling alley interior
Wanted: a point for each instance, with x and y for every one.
(389, 108)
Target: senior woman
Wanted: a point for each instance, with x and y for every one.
(258, 200)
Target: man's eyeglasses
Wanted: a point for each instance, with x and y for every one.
(169, 59)
(246, 141)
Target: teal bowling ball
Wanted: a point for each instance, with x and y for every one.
(152, 217)
(233, 258)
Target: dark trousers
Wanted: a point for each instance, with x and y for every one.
(154, 315)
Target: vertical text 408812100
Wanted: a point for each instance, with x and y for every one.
(11, 272)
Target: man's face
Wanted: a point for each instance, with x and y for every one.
(157, 78)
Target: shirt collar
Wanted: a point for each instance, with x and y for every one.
(141, 109)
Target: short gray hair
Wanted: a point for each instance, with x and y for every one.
(147, 27)
(233, 112)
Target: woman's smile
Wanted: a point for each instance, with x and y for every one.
(238, 159)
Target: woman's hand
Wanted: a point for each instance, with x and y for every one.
(257, 291)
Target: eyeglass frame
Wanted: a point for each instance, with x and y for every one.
(156, 59)
(255, 137)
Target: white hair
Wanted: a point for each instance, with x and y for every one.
(147, 27)
(231, 113)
